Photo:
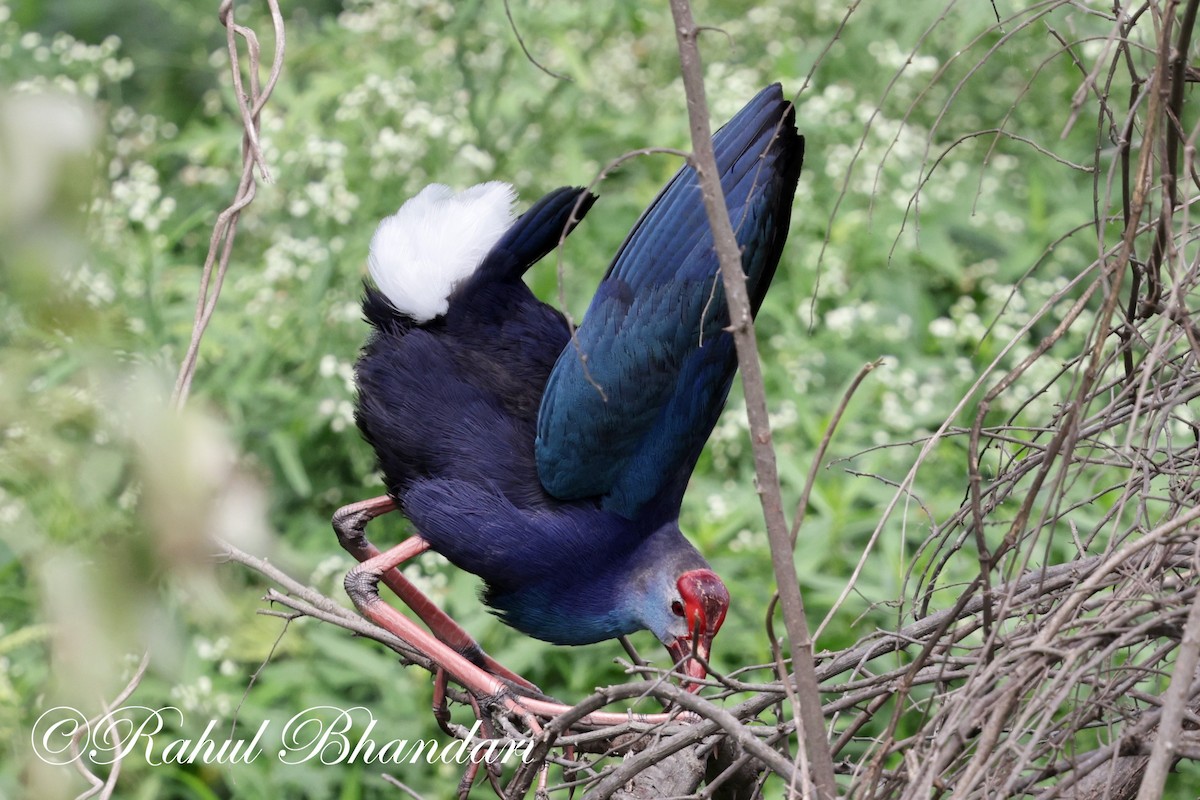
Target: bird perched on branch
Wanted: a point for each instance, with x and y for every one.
(551, 467)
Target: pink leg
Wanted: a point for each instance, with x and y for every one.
(350, 523)
(362, 585)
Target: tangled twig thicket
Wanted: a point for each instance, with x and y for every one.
(1067, 665)
(1064, 663)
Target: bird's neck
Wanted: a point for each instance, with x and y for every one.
(605, 593)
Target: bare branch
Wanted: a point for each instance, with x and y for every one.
(814, 739)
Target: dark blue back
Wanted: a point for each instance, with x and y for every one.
(457, 397)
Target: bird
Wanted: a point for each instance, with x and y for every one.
(549, 462)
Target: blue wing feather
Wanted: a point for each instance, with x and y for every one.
(628, 409)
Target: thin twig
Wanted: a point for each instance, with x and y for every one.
(814, 738)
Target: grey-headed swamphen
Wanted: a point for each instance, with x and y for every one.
(555, 469)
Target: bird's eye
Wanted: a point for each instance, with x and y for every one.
(677, 608)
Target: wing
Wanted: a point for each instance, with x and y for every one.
(627, 411)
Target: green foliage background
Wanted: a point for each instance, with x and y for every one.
(107, 499)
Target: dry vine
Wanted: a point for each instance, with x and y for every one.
(250, 105)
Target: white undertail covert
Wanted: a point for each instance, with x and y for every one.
(422, 252)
